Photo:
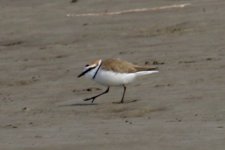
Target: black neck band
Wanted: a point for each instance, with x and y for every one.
(96, 71)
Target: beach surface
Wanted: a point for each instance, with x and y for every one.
(45, 44)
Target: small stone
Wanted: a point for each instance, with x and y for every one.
(24, 109)
(38, 136)
(208, 59)
(157, 63)
(146, 62)
(85, 24)
(74, 1)
(89, 89)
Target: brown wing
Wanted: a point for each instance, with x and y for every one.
(121, 66)
(145, 68)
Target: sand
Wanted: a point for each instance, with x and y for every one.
(44, 45)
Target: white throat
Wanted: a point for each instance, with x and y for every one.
(94, 72)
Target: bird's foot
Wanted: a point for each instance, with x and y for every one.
(90, 98)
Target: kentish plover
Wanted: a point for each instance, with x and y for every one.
(114, 72)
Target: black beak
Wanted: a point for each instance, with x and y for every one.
(80, 75)
(84, 72)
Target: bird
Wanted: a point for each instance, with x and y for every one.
(114, 72)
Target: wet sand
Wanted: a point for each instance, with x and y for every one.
(43, 46)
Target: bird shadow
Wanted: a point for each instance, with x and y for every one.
(78, 104)
(126, 101)
(94, 104)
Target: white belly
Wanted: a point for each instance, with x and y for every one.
(110, 78)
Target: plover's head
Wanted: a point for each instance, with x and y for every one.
(90, 67)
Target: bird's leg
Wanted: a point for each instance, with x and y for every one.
(124, 91)
(94, 97)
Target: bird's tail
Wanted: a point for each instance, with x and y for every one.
(146, 70)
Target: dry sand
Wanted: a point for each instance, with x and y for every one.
(42, 50)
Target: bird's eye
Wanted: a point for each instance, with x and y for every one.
(86, 65)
